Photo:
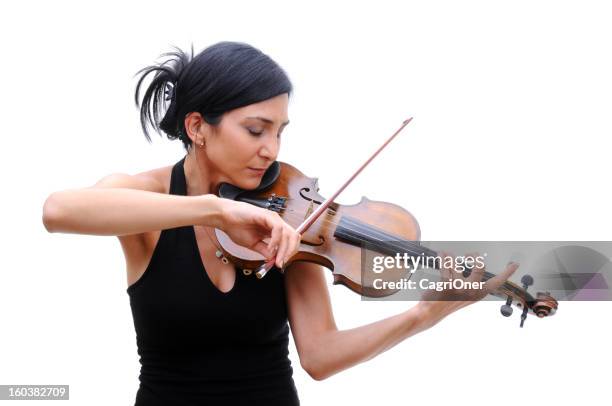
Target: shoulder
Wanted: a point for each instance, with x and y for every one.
(153, 180)
(159, 178)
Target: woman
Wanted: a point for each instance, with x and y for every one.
(207, 332)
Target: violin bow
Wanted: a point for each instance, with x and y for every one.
(266, 266)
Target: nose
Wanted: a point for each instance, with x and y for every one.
(270, 146)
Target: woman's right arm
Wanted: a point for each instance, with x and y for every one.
(121, 204)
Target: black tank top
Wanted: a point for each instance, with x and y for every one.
(200, 346)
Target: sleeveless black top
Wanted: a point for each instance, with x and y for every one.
(200, 346)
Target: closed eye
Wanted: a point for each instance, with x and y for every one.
(258, 133)
(253, 132)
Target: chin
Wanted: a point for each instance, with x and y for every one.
(249, 183)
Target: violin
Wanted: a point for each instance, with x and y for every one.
(335, 236)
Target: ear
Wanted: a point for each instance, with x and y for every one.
(197, 129)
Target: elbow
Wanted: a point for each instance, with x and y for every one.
(313, 369)
(318, 376)
(51, 213)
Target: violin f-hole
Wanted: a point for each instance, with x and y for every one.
(331, 209)
(315, 243)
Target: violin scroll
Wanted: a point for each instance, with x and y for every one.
(545, 305)
(542, 305)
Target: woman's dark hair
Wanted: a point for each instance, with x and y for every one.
(222, 77)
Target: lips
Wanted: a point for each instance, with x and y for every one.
(258, 171)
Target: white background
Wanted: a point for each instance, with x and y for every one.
(510, 140)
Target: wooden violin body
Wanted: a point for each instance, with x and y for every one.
(334, 239)
(342, 234)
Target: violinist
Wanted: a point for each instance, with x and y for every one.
(199, 338)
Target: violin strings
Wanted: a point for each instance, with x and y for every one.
(384, 238)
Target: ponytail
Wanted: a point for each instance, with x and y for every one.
(161, 92)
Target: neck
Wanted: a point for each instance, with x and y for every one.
(199, 174)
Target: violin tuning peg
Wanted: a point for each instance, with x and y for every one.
(524, 315)
(506, 309)
(527, 280)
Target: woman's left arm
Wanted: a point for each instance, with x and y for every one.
(323, 349)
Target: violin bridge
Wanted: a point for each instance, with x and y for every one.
(309, 210)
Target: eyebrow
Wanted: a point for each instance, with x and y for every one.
(267, 120)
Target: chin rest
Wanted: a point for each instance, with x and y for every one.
(231, 192)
